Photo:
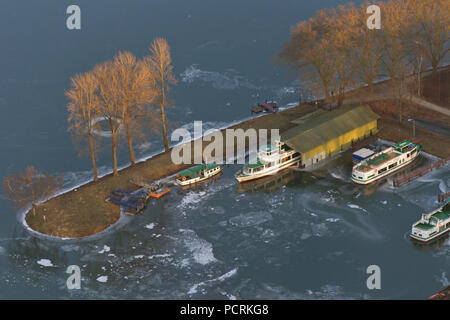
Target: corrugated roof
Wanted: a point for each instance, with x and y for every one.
(324, 127)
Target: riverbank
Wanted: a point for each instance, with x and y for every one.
(83, 211)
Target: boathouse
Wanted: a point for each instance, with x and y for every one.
(325, 133)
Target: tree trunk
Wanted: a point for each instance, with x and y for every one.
(114, 153)
(130, 144)
(419, 78)
(163, 118)
(371, 86)
(91, 148)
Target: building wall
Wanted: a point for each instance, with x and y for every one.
(339, 143)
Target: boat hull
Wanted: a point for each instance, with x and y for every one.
(437, 235)
(245, 178)
(198, 179)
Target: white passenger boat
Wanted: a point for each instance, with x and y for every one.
(271, 159)
(385, 162)
(433, 224)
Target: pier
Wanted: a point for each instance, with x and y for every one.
(414, 175)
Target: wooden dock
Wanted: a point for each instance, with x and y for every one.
(414, 175)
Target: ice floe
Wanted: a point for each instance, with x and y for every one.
(251, 219)
(221, 278)
(355, 206)
(105, 249)
(228, 81)
(45, 262)
(102, 279)
(202, 250)
(150, 225)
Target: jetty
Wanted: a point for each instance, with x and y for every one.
(418, 173)
(268, 106)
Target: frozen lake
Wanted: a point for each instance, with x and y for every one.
(301, 236)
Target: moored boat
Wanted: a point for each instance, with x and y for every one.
(385, 162)
(271, 159)
(433, 224)
(197, 173)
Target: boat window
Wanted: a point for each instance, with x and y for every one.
(392, 165)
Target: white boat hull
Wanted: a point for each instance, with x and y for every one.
(198, 179)
(269, 172)
(430, 238)
(384, 174)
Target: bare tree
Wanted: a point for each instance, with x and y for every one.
(366, 45)
(30, 188)
(84, 112)
(110, 103)
(135, 92)
(428, 29)
(159, 64)
(307, 51)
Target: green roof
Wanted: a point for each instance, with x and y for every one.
(442, 215)
(196, 169)
(380, 158)
(424, 226)
(402, 144)
(325, 126)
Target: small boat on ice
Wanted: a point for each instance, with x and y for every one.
(159, 191)
(197, 173)
(433, 224)
(385, 162)
(271, 159)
